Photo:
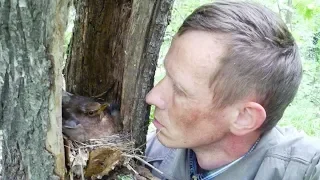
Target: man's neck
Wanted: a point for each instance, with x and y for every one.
(230, 148)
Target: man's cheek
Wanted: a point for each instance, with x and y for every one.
(189, 118)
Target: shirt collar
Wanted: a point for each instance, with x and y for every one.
(208, 175)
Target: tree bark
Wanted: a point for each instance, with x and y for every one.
(31, 56)
(149, 20)
(95, 60)
(114, 50)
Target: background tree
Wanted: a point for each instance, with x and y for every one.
(31, 56)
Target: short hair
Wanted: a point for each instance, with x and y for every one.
(262, 57)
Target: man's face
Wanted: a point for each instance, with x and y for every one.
(185, 113)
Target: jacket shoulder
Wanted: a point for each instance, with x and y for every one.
(295, 156)
(295, 145)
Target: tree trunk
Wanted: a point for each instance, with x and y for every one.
(149, 20)
(289, 15)
(31, 56)
(96, 56)
(114, 52)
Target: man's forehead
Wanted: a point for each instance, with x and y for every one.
(198, 50)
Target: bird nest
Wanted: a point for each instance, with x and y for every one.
(111, 157)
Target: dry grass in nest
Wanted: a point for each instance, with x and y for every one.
(109, 157)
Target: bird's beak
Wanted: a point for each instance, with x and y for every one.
(103, 107)
(71, 123)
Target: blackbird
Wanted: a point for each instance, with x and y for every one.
(85, 118)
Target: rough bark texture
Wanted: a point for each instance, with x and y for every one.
(96, 54)
(148, 22)
(114, 49)
(31, 54)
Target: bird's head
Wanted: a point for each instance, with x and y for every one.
(85, 118)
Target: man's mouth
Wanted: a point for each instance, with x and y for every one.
(157, 124)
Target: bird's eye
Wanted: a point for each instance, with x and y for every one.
(91, 113)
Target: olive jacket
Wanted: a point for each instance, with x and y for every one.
(281, 154)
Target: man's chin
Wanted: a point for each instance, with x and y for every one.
(162, 138)
(169, 143)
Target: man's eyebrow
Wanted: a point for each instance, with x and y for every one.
(168, 73)
(175, 83)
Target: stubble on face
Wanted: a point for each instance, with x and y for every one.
(190, 119)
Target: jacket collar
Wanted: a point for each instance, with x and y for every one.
(175, 164)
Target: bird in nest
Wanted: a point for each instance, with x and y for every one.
(85, 118)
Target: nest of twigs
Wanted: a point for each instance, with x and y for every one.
(112, 157)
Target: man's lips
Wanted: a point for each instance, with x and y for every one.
(157, 124)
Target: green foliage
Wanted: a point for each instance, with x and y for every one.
(304, 112)
(308, 9)
(125, 177)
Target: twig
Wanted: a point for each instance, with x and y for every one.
(131, 168)
(82, 175)
(144, 162)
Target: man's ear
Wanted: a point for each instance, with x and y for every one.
(250, 117)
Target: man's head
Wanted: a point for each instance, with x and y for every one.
(232, 68)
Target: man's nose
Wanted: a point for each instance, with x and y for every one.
(156, 96)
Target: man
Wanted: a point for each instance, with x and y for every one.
(231, 71)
